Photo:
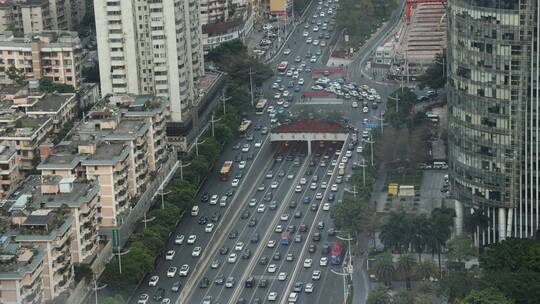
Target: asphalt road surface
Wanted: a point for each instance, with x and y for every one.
(329, 289)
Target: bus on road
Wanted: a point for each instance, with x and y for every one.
(244, 126)
(260, 106)
(337, 253)
(225, 170)
(285, 238)
(282, 67)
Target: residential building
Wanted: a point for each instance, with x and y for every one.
(21, 268)
(26, 134)
(120, 142)
(233, 27)
(55, 55)
(493, 96)
(51, 230)
(35, 16)
(151, 47)
(10, 173)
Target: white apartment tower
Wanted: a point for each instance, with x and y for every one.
(150, 47)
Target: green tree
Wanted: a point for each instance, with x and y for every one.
(421, 229)
(48, 86)
(520, 286)
(435, 76)
(477, 220)
(442, 221)
(16, 75)
(395, 232)
(426, 270)
(379, 295)
(117, 299)
(83, 271)
(485, 296)
(457, 283)
(403, 296)
(405, 267)
(384, 267)
(460, 249)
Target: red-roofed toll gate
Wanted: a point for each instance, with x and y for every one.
(309, 131)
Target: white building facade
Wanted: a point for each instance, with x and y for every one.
(150, 47)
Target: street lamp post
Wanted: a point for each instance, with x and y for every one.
(96, 288)
(353, 191)
(381, 119)
(251, 85)
(120, 254)
(363, 165)
(223, 100)
(371, 142)
(147, 220)
(182, 169)
(197, 145)
(162, 192)
(212, 121)
(397, 102)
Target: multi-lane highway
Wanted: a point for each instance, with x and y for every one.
(254, 226)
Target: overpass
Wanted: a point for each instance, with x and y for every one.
(310, 132)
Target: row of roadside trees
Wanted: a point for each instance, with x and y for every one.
(146, 245)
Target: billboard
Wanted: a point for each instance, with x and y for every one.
(278, 7)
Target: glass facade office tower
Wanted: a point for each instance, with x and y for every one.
(493, 95)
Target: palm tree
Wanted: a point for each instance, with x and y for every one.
(421, 229)
(426, 270)
(384, 268)
(405, 266)
(379, 295)
(442, 220)
(395, 233)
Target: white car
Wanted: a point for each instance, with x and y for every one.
(242, 164)
(179, 240)
(272, 296)
(171, 272)
(286, 51)
(274, 185)
(348, 153)
(261, 208)
(239, 246)
(272, 268)
(214, 199)
(359, 149)
(324, 185)
(316, 275)
(315, 42)
(279, 229)
(286, 93)
(323, 261)
(309, 288)
(169, 255)
(196, 251)
(313, 186)
(271, 244)
(277, 95)
(334, 188)
(307, 263)
(308, 41)
(301, 81)
(319, 196)
(354, 104)
(345, 159)
(258, 144)
(305, 34)
(290, 176)
(298, 188)
(313, 58)
(365, 110)
(315, 28)
(232, 258)
(235, 182)
(282, 276)
(209, 227)
(326, 207)
(184, 270)
(252, 202)
(245, 147)
(191, 239)
(153, 281)
(303, 181)
(284, 217)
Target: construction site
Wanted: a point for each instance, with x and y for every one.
(420, 36)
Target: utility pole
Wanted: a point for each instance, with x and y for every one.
(371, 142)
(223, 100)
(397, 101)
(120, 254)
(212, 122)
(96, 288)
(382, 122)
(145, 220)
(181, 166)
(363, 165)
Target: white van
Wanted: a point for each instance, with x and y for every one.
(195, 210)
(223, 201)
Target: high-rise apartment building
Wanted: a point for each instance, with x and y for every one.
(35, 16)
(493, 94)
(150, 47)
